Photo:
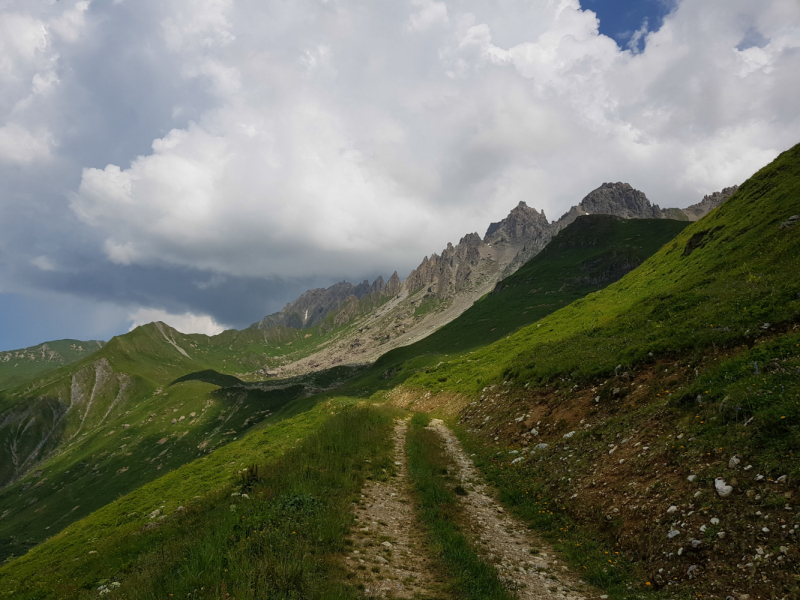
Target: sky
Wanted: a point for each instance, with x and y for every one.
(203, 162)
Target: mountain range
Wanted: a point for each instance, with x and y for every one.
(624, 377)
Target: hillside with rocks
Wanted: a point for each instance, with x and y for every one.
(18, 365)
(376, 318)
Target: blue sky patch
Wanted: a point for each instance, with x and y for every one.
(622, 19)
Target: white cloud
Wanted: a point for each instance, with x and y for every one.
(18, 145)
(186, 323)
(310, 138)
(337, 144)
(430, 13)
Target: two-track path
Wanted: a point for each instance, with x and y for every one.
(504, 541)
(389, 554)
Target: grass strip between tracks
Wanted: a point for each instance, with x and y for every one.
(439, 511)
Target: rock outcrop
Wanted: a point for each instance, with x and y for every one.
(709, 203)
(620, 200)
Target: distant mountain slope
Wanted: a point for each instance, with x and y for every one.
(18, 365)
(444, 285)
(146, 403)
(587, 255)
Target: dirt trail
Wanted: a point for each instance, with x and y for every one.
(388, 555)
(507, 543)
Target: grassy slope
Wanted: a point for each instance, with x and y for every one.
(583, 258)
(94, 460)
(742, 275)
(17, 366)
(111, 542)
(705, 334)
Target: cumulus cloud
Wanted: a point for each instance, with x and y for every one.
(270, 141)
(299, 169)
(185, 323)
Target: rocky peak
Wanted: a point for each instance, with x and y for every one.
(522, 224)
(621, 200)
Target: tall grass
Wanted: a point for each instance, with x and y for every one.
(440, 513)
(284, 540)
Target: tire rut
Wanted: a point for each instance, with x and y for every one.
(388, 555)
(504, 541)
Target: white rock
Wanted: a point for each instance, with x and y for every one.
(723, 490)
(781, 479)
(715, 521)
(672, 509)
(733, 462)
(748, 467)
(517, 460)
(691, 478)
(534, 431)
(540, 447)
(765, 529)
(386, 544)
(721, 535)
(673, 533)
(569, 435)
(759, 477)
(696, 543)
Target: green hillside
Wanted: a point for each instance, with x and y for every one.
(143, 405)
(589, 254)
(17, 366)
(725, 280)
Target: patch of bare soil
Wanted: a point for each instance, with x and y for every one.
(388, 555)
(641, 480)
(526, 563)
(449, 404)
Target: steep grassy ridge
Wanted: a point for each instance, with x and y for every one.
(717, 283)
(688, 366)
(586, 256)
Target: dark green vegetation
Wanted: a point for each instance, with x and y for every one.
(591, 253)
(17, 366)
(439, 512)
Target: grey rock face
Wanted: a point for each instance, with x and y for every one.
(314, 305)
(523, 224)
(709, 203)
(621, 200)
